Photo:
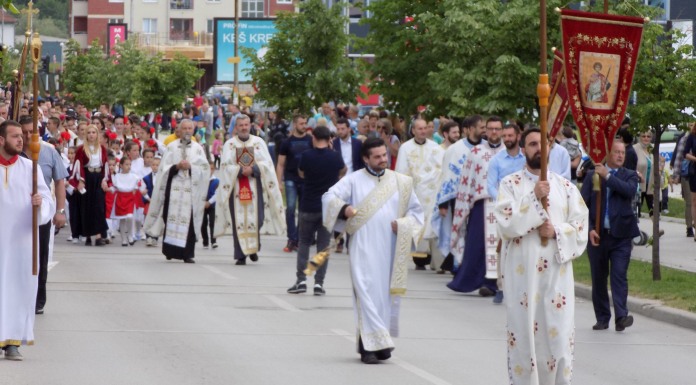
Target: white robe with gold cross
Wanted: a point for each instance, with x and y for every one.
(246, 215)
(538, 280)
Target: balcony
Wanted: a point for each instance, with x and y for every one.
(181, 4)
(199, 47)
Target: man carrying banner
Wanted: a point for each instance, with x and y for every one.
(248, 197)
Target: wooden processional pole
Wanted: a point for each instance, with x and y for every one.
(543, 93)
(35, 145)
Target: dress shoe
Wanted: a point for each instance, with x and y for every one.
(12, 353)
(100, 242)
(240, 262)
(88, 242)
(600, 326)
(254, 257)
(39, 310)
(369, 358)
(690, 232)
(624, 322)
(486, 292)
(383, 354)
(189, 260)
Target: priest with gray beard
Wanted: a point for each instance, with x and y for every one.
(178, 201)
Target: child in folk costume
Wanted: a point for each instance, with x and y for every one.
(73, 201)
(126, 185)
(109, 196)
(115, 147)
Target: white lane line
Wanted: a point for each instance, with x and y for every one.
(53, 264)
(431, 378)
(219, 272)
(282, 304)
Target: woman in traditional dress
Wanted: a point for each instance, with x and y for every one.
(89, 179)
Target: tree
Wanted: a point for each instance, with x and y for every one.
(404, 55)
(305, 63)
(488, 55)
(664, 82)
(88, 76)
(163, 86)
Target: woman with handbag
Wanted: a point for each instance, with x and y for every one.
(690, 155)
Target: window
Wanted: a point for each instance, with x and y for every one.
(662, 4)
(149, 26)
(80, 24)
(284, 1)
(210, 28)
(181, 4)
(115, 21)
(252, 8)
(180, 29)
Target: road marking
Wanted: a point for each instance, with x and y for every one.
(53, 264)
(282, 303)
(219, 272)
(431, 378)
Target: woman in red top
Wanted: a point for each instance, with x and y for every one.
(90, 170)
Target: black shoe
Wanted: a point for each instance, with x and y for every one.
(189, 260)
(254, 257)
(624, 322)
(240, 262)
(486, 292)
(600, 326)
(88, 242)
(319, 289)
(100, 242)
(690, 232)
(39, 310)
(419, 267)
(168, 258)
(383, 354)
(298, 288)
(369, 358)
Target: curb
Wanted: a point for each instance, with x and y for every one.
(649, 308)
(665, 219)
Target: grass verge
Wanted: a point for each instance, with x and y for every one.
(676, 289)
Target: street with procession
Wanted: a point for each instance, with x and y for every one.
(118, 315)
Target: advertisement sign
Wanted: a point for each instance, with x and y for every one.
(116, 33)
(253, 33)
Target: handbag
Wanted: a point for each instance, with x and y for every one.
(688, 168)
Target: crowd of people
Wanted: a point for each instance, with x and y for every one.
(460, 196)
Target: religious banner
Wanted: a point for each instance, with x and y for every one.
(601, 51)
(245, 158)
(558, 104)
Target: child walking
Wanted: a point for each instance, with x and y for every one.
(126, 186)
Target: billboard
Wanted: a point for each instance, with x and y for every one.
(253, 33)
(116, 33)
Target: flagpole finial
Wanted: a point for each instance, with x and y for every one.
(557, 10)
(647, 19)
(553, 49)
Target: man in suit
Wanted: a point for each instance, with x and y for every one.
(610, 245)
(349, 148)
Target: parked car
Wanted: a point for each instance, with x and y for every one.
(219, 91)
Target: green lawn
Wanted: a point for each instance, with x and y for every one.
(676, 289)
(676, 208)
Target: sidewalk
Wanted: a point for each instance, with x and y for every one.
(676, 251)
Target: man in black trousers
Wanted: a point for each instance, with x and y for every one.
(610, 245)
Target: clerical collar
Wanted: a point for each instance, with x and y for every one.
(374, 173)
(474, 143)
(418, 143)
(495, 145)
(8, 162)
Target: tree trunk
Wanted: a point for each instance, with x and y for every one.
(657, 195)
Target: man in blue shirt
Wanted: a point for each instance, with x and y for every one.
(503, 164)
(320, 167)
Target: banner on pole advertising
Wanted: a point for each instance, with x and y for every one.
(601, 52)
(558, 104)
(117, 33)
(253, 33)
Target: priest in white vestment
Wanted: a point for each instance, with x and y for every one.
(248, 197)
(381, 212)
(178, 201)
(538, 280)
(421, 159)
(474, 237)
(17, 284)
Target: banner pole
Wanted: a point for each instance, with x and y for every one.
(543, 93)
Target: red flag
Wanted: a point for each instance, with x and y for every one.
(558, 104)
(601, 51)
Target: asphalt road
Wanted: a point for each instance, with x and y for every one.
(120, 315)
